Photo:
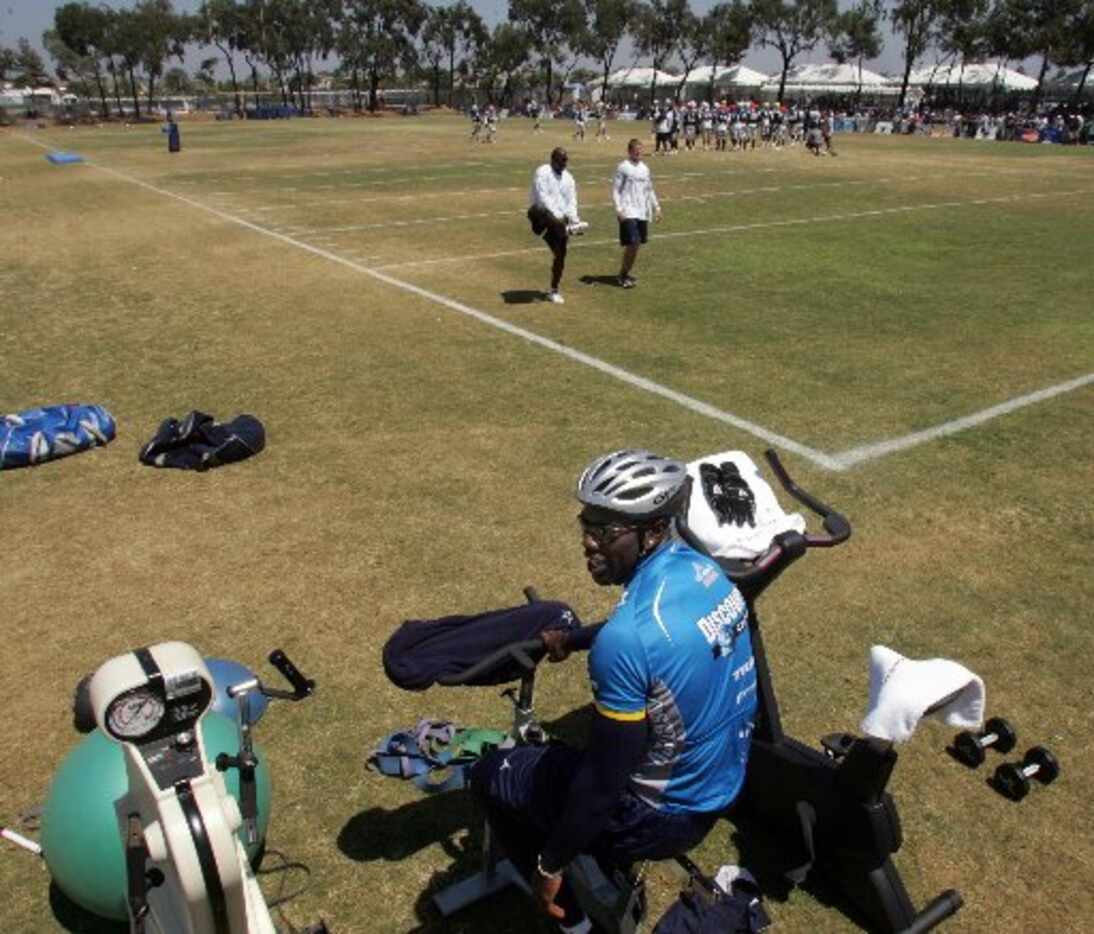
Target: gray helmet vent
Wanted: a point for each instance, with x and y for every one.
(637, 484)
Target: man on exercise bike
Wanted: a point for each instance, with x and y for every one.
(674, 686)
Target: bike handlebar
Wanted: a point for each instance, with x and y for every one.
(788, 546)
(520, 652)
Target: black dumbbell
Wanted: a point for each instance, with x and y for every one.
(969, 747)
(1012, 779)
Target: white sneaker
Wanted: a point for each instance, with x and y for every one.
(554, 296)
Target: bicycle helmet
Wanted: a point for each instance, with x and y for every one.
(635, 484)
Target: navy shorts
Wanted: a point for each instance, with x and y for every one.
(632, 232)
(524, 791)
(545, 225)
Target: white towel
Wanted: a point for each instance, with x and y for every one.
(733, 541)
(903, 691)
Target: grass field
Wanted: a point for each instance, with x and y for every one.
(370, 290)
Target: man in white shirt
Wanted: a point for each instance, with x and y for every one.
(636, 205)
(553, 212)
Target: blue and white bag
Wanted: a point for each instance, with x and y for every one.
(39, 435)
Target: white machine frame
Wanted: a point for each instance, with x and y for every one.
(188, 871)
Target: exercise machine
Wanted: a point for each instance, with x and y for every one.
(187, 869)
(825, 810)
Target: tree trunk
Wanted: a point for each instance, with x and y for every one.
(373, 87)
(133, 91)
(1040, 83)
(232, 72)
(104, 108)
(151, 88)
(904, 82)
(550, 78)
(451, 74)
(117, 90)
(1082, 83)
(782, 77)
(437, 85)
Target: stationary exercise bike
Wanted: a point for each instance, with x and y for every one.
(187, 868)
(826, 811)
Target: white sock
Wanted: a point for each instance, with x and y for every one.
(584, 926)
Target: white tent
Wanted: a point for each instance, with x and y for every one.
(738, 76)
(984, 75)
(641, 78)
(832, 79)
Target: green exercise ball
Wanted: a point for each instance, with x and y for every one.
(81, 842)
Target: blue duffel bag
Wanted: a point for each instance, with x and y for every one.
(39, 435)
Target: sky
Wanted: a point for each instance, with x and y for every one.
(31, 18)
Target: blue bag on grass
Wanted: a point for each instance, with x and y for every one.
(39, 435)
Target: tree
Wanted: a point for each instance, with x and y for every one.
(1038, 27)
(606, 23)
(7, 63)
(128, 44)
(77, 71)
(856, 35)
(500, 57)
(658, 30)
(792, 27)
(961, 29)
(162, 34)
(730, 28)
(459, 32)
(915, 20)
(83, 30)
(433, 51)
(1079, 51)
(552, 27)
(205, 76)
(222, 23)
(377, 38)
(176, 81)
(29, 69)
(693, 47)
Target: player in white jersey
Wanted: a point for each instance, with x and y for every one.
(552, 212)
(636, 205)
(580, 119)
(602, 112)
(706, 124)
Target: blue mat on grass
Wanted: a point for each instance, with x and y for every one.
(59, 157)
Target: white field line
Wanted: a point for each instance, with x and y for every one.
(759, 225)
(837, 462)
(371, 199)
(640, 382)
(867, 452)
(769, 189)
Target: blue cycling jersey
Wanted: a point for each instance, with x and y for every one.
(677, 650)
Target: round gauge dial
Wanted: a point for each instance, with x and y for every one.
(133, 715)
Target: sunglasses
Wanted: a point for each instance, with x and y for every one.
(604, 533)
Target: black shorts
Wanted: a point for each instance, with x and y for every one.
(546, 225)
(633, 232)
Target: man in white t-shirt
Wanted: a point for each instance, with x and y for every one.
(636, 205)
(553, 212)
